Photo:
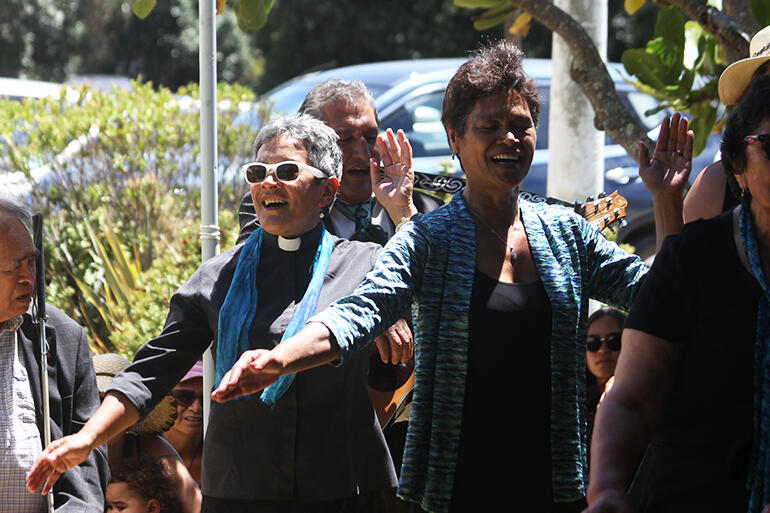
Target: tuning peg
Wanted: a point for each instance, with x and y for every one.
(589, 199)
(602, 195)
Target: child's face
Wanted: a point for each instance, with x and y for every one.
(120, 498)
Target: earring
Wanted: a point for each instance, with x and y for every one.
(744, 195)
(322, 215)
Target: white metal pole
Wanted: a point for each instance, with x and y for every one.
(576, 163)
(209, 223)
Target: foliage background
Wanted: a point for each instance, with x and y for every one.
(121, 198)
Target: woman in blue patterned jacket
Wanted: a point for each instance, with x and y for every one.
(500, 290)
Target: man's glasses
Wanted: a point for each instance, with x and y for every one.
(185, 398)
(763, 139)
(287, 171)
(594, 342)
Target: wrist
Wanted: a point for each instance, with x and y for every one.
(401, 214)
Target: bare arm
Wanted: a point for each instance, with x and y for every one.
(704, 200)
(189, 494)
(627, 417)
(113, 417)
(666, 174)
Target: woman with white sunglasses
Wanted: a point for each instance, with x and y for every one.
(319, 449)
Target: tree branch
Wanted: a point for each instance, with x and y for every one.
(719, 24)
(590, 73)
(740, 11)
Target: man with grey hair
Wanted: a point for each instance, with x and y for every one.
(73, 394)
(369, 205)
(319, 449)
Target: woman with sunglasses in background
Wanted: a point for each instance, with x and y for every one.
(693, 378)
(320, 449)
(602, 350)
(186, 435)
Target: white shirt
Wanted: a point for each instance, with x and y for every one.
(20, 442)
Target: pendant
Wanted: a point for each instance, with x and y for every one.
(513, 258)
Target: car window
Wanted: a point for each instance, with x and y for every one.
(420, 119)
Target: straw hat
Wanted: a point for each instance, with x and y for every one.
(160, 419)
(738, 75)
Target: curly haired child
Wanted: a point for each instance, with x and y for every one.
(142, 485)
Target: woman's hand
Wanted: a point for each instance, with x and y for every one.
(60, 456)
(394, 189)
(669, 169)
(254, 371)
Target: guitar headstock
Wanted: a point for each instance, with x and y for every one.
(603, 211)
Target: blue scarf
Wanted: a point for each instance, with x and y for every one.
(759, 471)
(240, 306)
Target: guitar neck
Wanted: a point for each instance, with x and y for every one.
(602, 212)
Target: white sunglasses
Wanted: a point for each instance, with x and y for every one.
(286, 171)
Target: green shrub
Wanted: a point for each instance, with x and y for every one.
(121, 197)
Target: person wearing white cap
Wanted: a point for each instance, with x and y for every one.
(710, 195)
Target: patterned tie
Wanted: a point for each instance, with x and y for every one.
(361, 213)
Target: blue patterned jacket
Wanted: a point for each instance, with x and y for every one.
(430, 262)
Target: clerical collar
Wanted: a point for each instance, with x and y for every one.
(308, 239)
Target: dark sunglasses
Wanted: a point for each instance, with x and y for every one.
(594, 342)
(185, 398)
(763, 139)
(287, 171)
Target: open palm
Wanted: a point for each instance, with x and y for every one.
(668, 171)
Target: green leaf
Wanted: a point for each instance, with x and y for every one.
(644, 66)
(489, 20)
(704, 117)
(761, 10)
(670, 26)
(142, 8)
(252, 14)
(479, 4)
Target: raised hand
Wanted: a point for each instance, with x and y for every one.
(254, 371)
(394, 188)
(669, 169)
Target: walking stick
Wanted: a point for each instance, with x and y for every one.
(37, 228)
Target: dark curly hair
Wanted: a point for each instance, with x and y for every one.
(744, 120)
(492, 69)
(148, 477)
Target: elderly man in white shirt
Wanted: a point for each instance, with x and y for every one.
(72, 385)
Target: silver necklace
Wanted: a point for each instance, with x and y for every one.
(494, 232)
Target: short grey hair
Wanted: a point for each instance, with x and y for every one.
(319, 140)
(11, 209)
(336, 90)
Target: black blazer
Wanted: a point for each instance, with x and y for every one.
(73, 399)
